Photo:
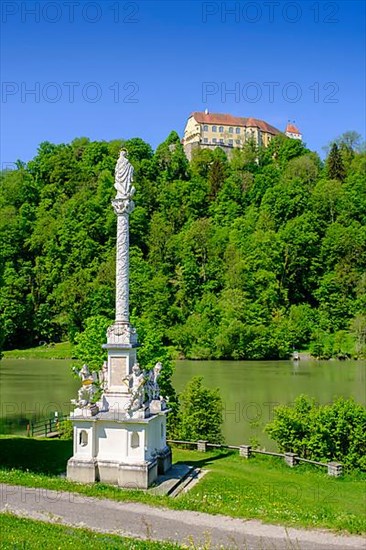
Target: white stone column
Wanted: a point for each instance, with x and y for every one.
(123, 208)
(121, 337)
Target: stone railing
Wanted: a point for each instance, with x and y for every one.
(246, 451)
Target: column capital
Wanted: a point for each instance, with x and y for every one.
(121, 333)
(123, 206)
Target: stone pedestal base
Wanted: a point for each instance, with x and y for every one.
(128, 476)
(164, 459)
(137, 476)
(82, 471)
(120, 450)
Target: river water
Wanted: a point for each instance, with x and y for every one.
(35, 389)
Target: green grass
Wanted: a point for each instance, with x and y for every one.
(262, 487)
(63, 350)
(18, 534)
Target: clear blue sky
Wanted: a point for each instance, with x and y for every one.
(113, 69)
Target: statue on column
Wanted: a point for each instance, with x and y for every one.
(124, 177)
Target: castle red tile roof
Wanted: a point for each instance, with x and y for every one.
(230, 120)
(292, 129)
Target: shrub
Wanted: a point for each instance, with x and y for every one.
(65, 429)
(335, 431)
(200, 414)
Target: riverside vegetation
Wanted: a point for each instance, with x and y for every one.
(240, 259)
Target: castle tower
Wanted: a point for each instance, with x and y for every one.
(292, 131)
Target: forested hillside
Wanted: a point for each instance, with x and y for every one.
(244, 259)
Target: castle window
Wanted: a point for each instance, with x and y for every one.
(238, 141)
(221, 129)
(221, 140)
(205, 128)
(214, 128)
(231, 141)
(205, 140)
(214, 140)
(231, 130)
(237, 130)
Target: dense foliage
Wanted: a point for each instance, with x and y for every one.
(200, 413)
(335, 431)
(246, 258)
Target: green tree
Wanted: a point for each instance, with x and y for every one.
(201, 413)
(335, 431)
(335, 167)
(88, 344)
(268, 229)
(352, 140)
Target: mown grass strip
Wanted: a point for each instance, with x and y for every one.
(20, 533)
(262, 487)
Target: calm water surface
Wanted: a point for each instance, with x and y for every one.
(250, 390)
(32, 389)
(36, 389)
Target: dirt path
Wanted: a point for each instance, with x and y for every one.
(143, 521)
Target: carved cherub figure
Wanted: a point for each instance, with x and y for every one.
(88, 386)
(153, 386)
(136, 382)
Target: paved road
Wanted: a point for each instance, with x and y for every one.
(143, 521)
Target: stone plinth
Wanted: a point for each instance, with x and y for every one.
(113, 448)
(244, 451)
(82, 471)
(290, 459)
(335, 469)
(202, 445)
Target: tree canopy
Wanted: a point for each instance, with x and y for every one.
(244, 258)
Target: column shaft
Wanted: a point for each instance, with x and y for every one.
(122, 269)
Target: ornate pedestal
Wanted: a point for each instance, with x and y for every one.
(121, 439)
(123, 451)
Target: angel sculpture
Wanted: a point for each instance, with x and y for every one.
(152, 384)
(136, 390)
(88, 386)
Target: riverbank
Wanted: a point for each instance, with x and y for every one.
(63, 350)
(261, 488)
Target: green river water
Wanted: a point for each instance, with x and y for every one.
(35, 389)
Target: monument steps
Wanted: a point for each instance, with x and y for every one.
(188, 482)
(176, 479)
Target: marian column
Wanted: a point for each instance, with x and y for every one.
(122, 439)
(123, 206)
(121, 337)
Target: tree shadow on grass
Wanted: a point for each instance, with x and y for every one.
(50, 456)
(206, 461)
(41, 456)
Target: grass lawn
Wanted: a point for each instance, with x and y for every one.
(19, 533)
(57, 351)
(262, 487)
